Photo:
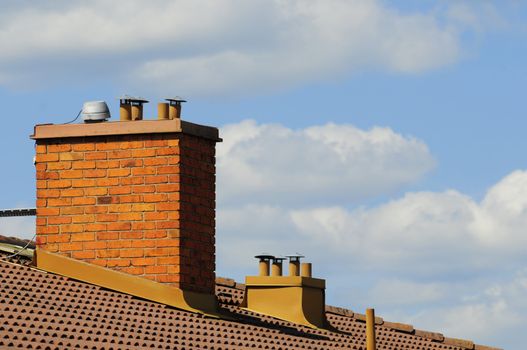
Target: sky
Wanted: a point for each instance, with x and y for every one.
(384, 140)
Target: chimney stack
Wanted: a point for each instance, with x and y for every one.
(133, 196)
(298, 299)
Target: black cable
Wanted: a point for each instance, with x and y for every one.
(77, 117)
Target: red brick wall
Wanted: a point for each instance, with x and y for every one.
(141, 204)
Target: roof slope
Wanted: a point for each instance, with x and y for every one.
(46, 311)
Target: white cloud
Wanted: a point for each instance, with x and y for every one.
(272, 164)
(440, 261)
(217, 47)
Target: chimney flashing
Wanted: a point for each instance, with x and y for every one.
(59, 131)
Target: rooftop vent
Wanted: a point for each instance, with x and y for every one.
(95, 111)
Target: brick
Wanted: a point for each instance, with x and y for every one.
(39, 149)
(167, 151)
(72, 192)
(134, 270)
(156, 143)
(59, 166)
(168, 206)
(157, 179)
(48, 193)
(108, 253)
(59, 220)
(107, 235)
(144, 189)
(85, 146)
(155, 216)
(107, 182)
(83, 255)
(141, 225)
(143, 171)
(143, 207)
(170, 169)
(131, 199)
(120, 154)
(106, 217)
(131, 163)
(59, 238)
(173, 260)
(82, 182)
(105, 146)
(71, 210)
(154, 198)
(94, 173)
(155, 234)
(167, 278)
(65, 247)
(118, 172)
(131, 253)
(135, 180)
(131, 144)
(68, 156)
(83, 201)
(143, 261)
(70, 174)
(95, 227)
(87, 164)
(107, 200)
(167, 224)
(168, 243)
(119, 263)
(119, 226)
(130, 216)
(168, 187)
(44, 158)
(143, 243)
(99, 262)
(148, 162)
(82, 219)
(96, 156)
(161, 252)
(59, 184)
(96, 191)
(59, 202)
(95, 245)
(155, 269)
(120, 190)
(119, 208)
(95, 209)
(118, 244)
(72, 228)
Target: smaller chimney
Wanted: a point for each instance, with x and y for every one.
(174, 107)
(298, 299)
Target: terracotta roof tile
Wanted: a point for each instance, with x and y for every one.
(46, 311)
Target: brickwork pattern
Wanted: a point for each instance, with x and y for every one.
(141, 204)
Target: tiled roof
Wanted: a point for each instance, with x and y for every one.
(46, 311)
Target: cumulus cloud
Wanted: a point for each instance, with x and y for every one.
(218, 47)
(440, 261)
(272, 164)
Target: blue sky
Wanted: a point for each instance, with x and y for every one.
(383, 139)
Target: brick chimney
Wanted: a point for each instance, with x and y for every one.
(134, 196)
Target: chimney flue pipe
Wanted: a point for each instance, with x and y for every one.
(264, 263)
(174, 107)
(294, 264)
(306, 270)
(162, 111)
(276, 267)
(370, 329)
